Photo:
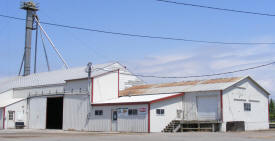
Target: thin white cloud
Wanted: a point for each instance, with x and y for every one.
(211, 61)
(162, 59)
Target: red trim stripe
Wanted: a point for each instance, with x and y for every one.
(221, 99)
(126, 103)
(4, 117)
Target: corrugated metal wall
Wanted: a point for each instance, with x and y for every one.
(135, 123)
(75, 112)
(75, 116)
(100, 123)
(190, 104)
(37, 113)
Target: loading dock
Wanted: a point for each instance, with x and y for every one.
(54, 116)
(207, 107)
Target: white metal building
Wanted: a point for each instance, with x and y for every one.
(40, 100)
(59, 100)
(223, 101)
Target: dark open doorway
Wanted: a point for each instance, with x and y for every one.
(54, 113)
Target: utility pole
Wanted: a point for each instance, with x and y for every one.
(89, 71)
(31, 9)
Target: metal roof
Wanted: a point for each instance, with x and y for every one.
(136, 99)
(50, 78)
(9, 101)
(151, 92)
(187, 86)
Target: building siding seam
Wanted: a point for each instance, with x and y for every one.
(92, 92)
(118, 83)
(149, 117)
(221, 99)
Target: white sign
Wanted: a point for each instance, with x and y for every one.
(142, 111)
(122, 112)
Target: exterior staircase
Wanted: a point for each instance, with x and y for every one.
(183, 126)
(173, 126)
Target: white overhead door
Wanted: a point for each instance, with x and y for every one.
(207, 107)
(1, 119)
(37, 115)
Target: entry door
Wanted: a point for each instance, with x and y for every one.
(207, 107)
(54, 118)
(114, 120)
(1, 119)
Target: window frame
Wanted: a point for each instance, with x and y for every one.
(11, 115)
(132, 112)
(98, 112)
(160, 112)
(247, 107)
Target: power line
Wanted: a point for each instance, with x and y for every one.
(146, 36)
(194, 76)
(216, 8)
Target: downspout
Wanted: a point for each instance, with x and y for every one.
(221, 100)
(4, 117)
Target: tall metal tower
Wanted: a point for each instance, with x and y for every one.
(31, 9)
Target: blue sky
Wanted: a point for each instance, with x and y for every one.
(148, 56)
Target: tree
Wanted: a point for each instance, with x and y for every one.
(271, 110)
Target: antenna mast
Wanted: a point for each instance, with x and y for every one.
(31, 9)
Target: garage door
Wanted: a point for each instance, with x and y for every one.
(37, 117)
(1, 119)
(207, 107)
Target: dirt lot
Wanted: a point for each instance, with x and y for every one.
(55, 135)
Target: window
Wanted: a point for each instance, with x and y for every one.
(247, 106)
(11, 115)
(114, 115)
(160, 111)
(98, 112)
(132, 112)
(179, 113)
